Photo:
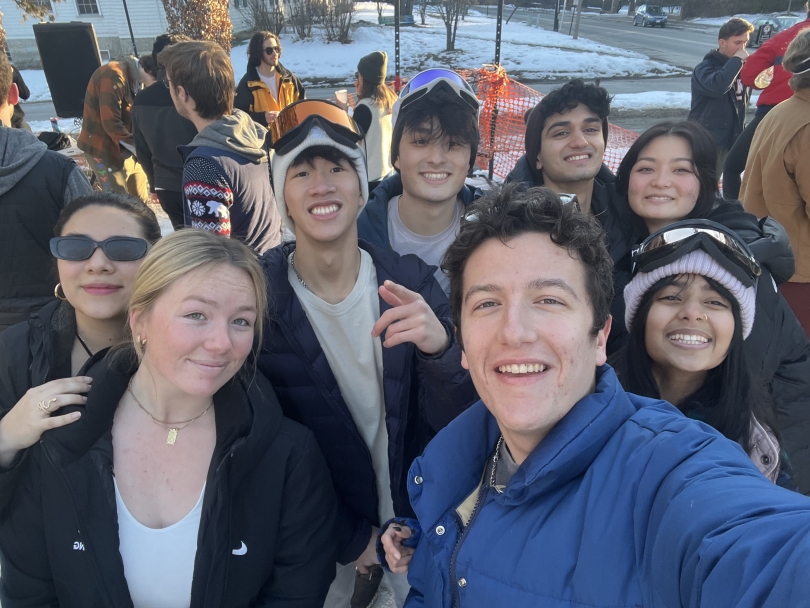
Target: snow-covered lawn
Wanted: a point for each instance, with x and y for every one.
(718, 21)
(526, 53)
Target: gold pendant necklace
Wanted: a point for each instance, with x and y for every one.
(173, 427)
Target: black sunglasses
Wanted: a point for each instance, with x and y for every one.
(269, 50)
(116, 248)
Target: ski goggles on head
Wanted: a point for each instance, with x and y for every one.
(424, 82)
(292, 124)
(678, 239)
(116, 248)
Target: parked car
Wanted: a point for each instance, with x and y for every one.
(767, 27)
(647, 14)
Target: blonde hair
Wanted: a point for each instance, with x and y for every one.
(180, 253)
(798, 52)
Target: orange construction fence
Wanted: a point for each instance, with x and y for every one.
(504, 104)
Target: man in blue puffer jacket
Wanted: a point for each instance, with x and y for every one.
(559, 489)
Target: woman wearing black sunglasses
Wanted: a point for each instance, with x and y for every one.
(689, 308)
(100, 242)
(669, 174)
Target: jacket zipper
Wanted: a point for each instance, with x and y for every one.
(462, 536)
(87, 547)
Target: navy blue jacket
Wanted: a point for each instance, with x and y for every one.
(372, 225)
(422, 394)
(714, 99)
(625, 503)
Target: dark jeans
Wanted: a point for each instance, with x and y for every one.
(737, 157)
(172, 203)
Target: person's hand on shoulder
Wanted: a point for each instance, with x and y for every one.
(31, 416)
(410, 320)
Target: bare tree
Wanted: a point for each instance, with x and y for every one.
(423, 4)
(380, 6)
(303, 14)
(337, 20)
(263, 15)
(450, 11)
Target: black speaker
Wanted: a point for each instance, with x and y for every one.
(69, 54)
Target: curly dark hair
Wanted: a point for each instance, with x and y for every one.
(161, 42)
(515, 210)
(435, 115)
(563, 99)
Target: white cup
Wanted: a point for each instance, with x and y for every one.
(342, 96)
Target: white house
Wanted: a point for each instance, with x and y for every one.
(148, 20)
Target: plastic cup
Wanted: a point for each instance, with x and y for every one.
(342, 96)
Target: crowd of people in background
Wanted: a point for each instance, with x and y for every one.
(349, 373)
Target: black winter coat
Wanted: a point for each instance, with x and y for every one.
(36, 351)
(158, 130)
(714, 98)
(372, 225)
(604, 202)
(267, 489)
(777, 350)
(422, 394)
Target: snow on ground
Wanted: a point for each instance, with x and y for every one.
(526, 52)
(718, 21)
(652, 100)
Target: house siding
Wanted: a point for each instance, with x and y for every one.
(148, 20)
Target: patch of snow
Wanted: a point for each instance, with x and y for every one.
(36, 83)
(526, 52)
(66, 125)
(652, 100)
(718, 21)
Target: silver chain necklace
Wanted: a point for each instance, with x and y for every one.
(292, 265)
(495, 462)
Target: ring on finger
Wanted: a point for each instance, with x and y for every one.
(43, 406)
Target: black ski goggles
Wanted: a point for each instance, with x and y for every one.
(293, 123)
(678, 239)
(116, 248)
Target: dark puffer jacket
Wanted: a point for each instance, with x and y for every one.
(714, 97)
(372, 225)
(36, 351)
(267, 490)
(422, 394)
(605, 203)
(778, 351)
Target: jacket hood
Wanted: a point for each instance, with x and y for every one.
(453, 462)
(19, 152)
(766, 237)
(234, 133)
(252, 73)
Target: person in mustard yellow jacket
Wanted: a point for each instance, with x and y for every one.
(267, 87)
(777, 174)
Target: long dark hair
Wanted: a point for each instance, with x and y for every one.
(704, 163)
(147, 221)
(255, 50)
(729, 397)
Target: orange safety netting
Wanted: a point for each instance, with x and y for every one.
(504, 105)
(504, 102)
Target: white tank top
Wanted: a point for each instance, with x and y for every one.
(158, 564)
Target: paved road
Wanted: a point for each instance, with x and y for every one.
(682, 45)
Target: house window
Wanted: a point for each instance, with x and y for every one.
(87, 7)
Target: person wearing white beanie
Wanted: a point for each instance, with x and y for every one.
(360, 348)
(689, 307)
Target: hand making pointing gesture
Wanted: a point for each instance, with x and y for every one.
(410, 320)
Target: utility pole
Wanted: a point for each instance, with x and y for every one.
(131, 35)
(397, 80)
(557, 16)
(579, 14)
